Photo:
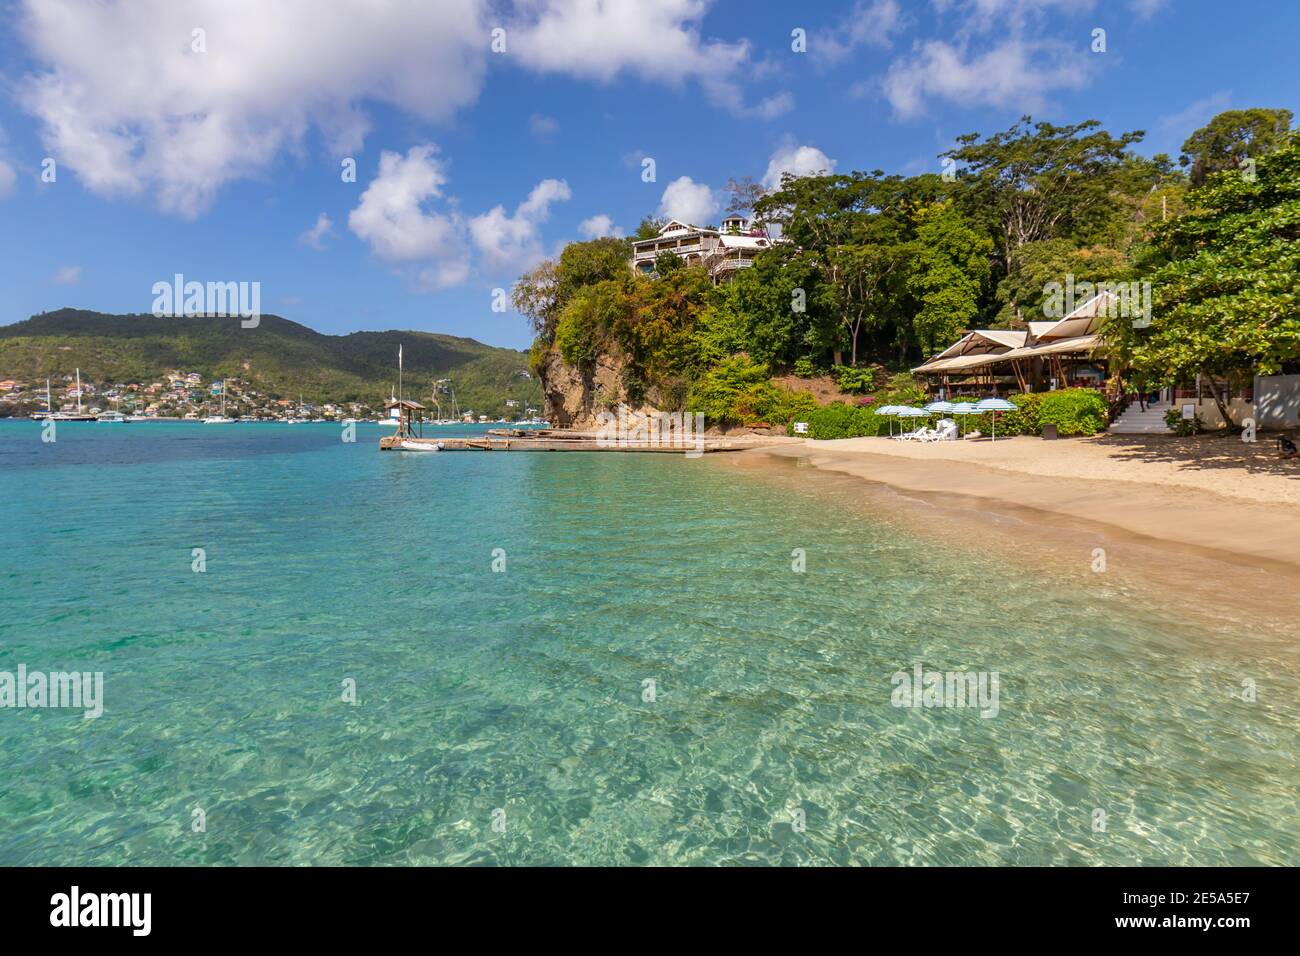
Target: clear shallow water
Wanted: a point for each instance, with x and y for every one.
(522, 690)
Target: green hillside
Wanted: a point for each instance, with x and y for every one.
(279, 357)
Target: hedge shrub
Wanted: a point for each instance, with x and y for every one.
(1074, 411)
(1077, 411)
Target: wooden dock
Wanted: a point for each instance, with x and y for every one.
(556, 439)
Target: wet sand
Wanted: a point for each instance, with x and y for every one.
(1218, 498)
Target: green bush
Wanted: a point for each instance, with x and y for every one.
(805, 368)
(736, 391)
(838, 420)
(902, 389)
(790, 406)
(1025, 420)
(537, 357)
(854, 380)
(1074, 411)
(576, 339)
(1183, 427)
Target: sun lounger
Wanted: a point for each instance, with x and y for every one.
(921, 434)
(945, 430)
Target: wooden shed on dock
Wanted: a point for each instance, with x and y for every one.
(406, 414)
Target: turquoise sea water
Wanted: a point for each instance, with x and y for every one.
(517, 696)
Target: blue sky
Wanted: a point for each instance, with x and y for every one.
(471, 164)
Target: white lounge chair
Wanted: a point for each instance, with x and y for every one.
(945, 430)
(921, 434)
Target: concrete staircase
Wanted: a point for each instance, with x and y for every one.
(1135, 421)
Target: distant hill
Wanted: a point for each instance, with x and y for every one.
(281, 358)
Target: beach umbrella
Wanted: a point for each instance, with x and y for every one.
(889, 410)
(994, 405)
(939, 407)
(962, 408)
(907, 411)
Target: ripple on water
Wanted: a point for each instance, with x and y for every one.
(522, 692)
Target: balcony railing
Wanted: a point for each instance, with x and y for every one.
(643, 254)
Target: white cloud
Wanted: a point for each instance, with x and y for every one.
(7, 175)
(132, 109)
(798, 161)
(542, 126)
(869, 23)
(1195, 115)
(315, 236)
(1014, 74)
(432, 247)
(513, 243)
(391, 217)
(599, 225)
(659, 42)
(688, 201)
(125, 102)
(1145, 9)
(67, 275)
(1008, 16)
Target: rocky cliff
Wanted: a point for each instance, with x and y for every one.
(573, 397)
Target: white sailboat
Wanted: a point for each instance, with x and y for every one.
(80, 415)
(49, 406)
(391, 421)
(220, 419)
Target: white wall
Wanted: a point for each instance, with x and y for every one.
(1277, 401)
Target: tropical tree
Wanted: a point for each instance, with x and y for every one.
(1227, 301)
(860, 288)
(1233, 137)
(947, 269)
(1038, 181)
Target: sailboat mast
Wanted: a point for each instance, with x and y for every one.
(78, 391)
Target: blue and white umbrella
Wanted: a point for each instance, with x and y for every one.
(994, 405)
(891, 411)
(939, 407)
(907, 411)
(962, 408)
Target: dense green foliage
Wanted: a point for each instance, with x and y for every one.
(738, 391)
(1074, 411)
(855, 380)
(1226, 281)
(1233, 137)
(280, 358)
(886, 270)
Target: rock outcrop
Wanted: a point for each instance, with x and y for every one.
(573, 398)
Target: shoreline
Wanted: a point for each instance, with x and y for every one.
(1244, 511)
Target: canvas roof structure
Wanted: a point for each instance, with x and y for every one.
(1076, 332)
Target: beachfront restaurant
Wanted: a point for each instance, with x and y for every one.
(1062, 353)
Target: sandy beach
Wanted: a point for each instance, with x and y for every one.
(1215, 496)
